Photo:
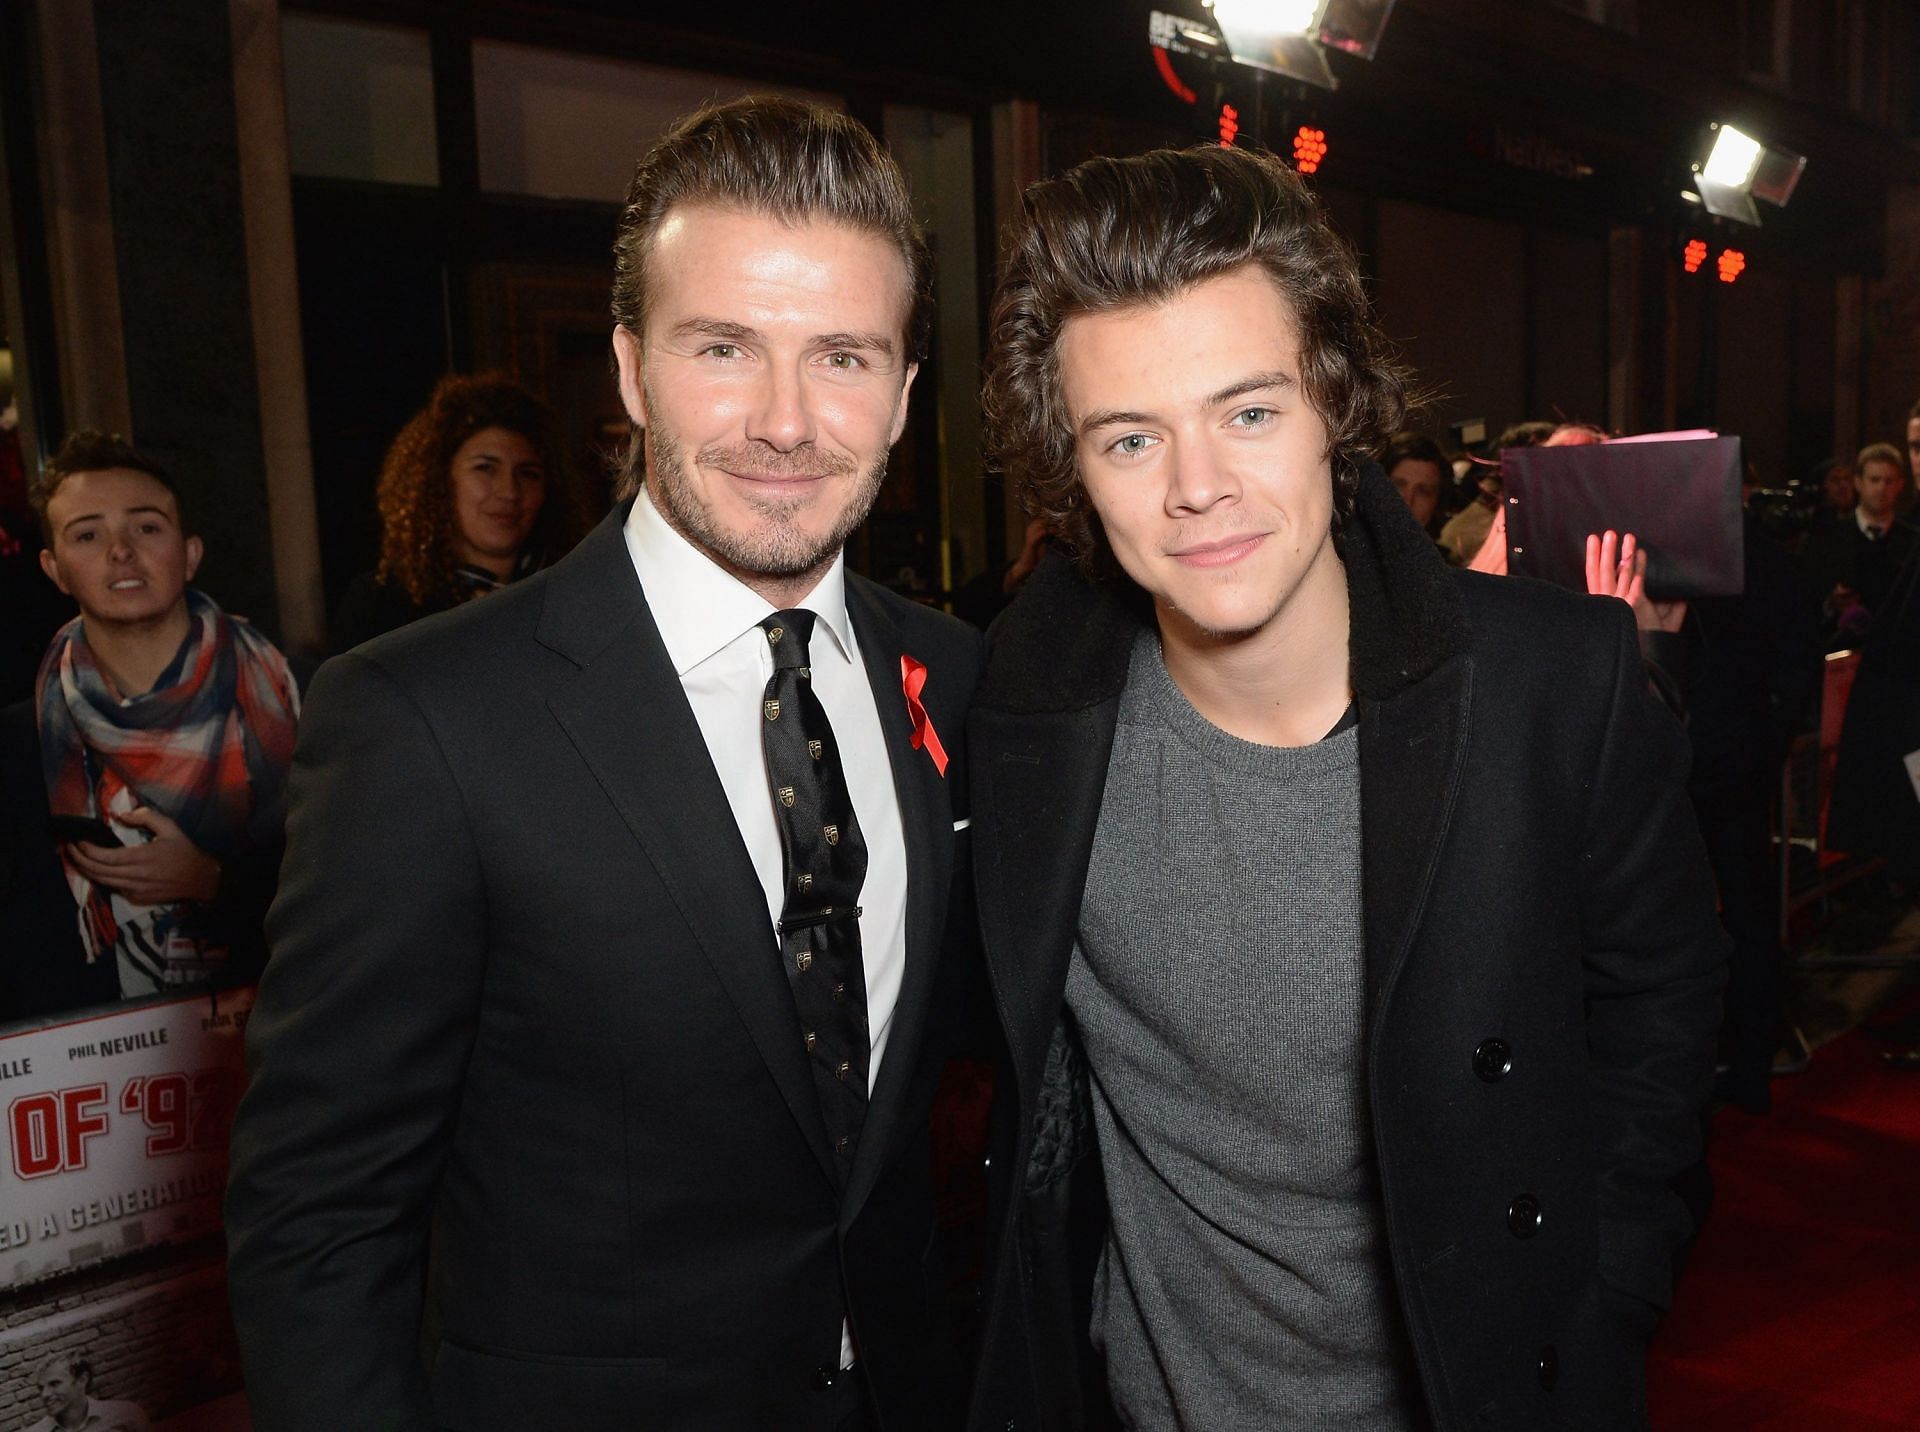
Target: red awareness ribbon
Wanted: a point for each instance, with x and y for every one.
(913, 680)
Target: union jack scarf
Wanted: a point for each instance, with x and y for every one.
(209, 747)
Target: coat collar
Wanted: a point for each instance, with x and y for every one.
(1042, 731)
(1406, 617)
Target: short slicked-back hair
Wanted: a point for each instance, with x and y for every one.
(1116, 233)
(782, 158)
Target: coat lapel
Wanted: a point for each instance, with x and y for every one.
(1413, 746)
(625, 712)
(926, 818)
(1037, 787)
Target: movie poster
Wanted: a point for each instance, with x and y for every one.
(112, 1265)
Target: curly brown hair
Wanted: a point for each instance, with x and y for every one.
(416, 488)
(1114, 233)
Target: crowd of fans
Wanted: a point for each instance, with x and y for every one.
(144, 755)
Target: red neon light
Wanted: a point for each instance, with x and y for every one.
(1164, 63)
(1733, 263)
(1695, 255)
(1309, 149)
(1229, 125)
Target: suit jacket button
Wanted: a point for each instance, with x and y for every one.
(1493, 1060)
(1549, 1367)
(824, 1378)
(1523, 1216)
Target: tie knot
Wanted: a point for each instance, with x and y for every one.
(1875, 531)
(787, 636)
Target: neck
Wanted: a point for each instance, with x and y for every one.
(1286, 684)
(501, 567)
(785, 592)
(133, 654)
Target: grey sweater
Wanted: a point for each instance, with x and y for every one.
(1217, 988)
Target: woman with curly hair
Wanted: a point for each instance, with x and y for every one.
(474, 494)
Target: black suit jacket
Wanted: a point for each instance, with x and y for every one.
(1543, 967)
(524, 998)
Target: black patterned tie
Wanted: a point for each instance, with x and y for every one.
(825, 864)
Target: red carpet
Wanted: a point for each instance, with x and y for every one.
(1800, 1309)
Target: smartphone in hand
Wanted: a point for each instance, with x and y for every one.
(71, 829)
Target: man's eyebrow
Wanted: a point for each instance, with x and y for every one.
(1254, 383)
(869, 342)
(1110, 417)
(1258, 382)
(73, 522)
(718, 328)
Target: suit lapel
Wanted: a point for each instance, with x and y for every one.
(1413, 746)
(926, 818)
(625, 712)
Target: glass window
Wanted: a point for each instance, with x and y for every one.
(563, 126)
(359, 101)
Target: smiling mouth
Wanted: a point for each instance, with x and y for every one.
(1223, 553)
(126, 584)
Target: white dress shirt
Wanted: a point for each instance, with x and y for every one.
(709, 621)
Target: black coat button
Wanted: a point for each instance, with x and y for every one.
(1549, 1367)
(824, 1378)
(1493, 1060)
(1523, 1216)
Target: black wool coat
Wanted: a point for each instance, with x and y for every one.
(1543, 969)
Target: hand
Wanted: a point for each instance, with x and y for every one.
(1616, 567)
(167, 869)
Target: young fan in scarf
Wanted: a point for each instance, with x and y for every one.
(162, 717)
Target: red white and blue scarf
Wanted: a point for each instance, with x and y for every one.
(210, 747)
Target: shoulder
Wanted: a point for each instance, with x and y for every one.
(444, 654)
(370, 608)
(926, 632)
(1527, 634)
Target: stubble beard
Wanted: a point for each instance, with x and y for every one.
(778, 546)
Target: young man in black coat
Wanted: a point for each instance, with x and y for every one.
(1353, 940)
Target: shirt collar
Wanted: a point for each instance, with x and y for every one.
(700, 607)
(1867, 525)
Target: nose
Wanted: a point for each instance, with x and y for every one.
(782, 414)
(1199, 480)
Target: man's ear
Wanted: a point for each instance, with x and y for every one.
(52, 569)
(626, 353)
(196, 549)
(900, 406)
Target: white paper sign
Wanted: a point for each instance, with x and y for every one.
(115, 1133)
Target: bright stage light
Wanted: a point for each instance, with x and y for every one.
(1734, 158)
(1271, 17)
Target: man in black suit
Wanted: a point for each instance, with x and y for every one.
(606, 994)
(1352, 937)
(1856, 560)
